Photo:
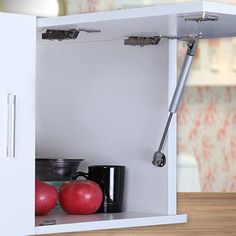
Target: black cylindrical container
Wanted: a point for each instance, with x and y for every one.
(111, 179)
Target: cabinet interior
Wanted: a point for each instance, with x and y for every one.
(107, 103)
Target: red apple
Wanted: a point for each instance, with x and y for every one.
(80, 197)
(45, 198)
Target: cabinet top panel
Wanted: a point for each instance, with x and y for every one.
(211, 20)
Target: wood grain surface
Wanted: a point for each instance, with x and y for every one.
(208, 214)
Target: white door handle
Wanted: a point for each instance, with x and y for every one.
(11, 124)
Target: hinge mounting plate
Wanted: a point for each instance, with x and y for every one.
(142, 41)
(201, 18)
(154, 40)
(55, 34)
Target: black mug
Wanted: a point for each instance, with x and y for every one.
(111, 180)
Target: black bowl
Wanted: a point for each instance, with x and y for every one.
(56, 169)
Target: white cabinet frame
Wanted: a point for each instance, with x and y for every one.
(101, 100)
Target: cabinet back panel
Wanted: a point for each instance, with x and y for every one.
(106, 103)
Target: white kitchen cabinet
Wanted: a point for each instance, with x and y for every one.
(103, 101)
(17, 95)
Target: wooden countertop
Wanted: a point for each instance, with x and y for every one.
(208, 214)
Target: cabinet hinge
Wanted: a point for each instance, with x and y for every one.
(154, 40)
(54, 34)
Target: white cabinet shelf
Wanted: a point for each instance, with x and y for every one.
(76, 223)
(101, 100)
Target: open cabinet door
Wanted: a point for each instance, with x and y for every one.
(17, 115)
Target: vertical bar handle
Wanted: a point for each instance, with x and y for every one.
(11, 125)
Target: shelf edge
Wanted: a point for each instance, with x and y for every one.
(112, 224)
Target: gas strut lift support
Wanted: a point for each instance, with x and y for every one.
(159, 158)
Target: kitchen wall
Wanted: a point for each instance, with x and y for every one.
(207, 132)
(33, 7)
(81, 6)
(68, 7)
(207, 116)
(75, 6)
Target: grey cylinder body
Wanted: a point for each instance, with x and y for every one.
(181, 84)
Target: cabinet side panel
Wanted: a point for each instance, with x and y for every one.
(172, 139)
(107, 103)
(17, 77)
